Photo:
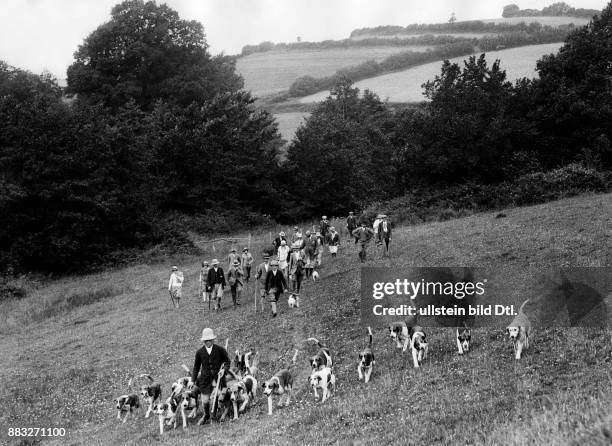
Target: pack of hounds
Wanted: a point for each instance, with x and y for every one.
(241, 386)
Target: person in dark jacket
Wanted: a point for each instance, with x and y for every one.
(384, 233)
(351, 224)
(216, 283)
(275, 285)
(277, 241)
(209, 358)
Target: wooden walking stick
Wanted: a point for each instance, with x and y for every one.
(256, 293)
(219, 376)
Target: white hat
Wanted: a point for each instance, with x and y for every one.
(282, 234)
(214, 262)
(283, 242)
(175, 268)
(208, 335)
(324, 217)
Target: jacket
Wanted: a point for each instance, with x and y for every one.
(216, 277)
(209, 365)
(276, 281)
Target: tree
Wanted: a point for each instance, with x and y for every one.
(340, 157)
(145, 53)
(511, 10)
(572, 99)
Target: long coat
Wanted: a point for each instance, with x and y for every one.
(210, 366)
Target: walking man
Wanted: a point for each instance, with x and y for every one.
(351, 224)
(261, 274)
(204, 281)
(324, 227)
(283, 257)
(296, 267)
(310, 253)
(363, 234)
(384, 233)
(234, 277)
(209, 358)
(233, 256)
(175, 286)
(275, 285)
(333, 242)
(216, 282)
(247, 261)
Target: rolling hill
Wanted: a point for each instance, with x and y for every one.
(63, 367)
(405, 86)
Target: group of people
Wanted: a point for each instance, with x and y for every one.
(286, 263)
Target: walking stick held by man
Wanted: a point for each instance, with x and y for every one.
(219, 376)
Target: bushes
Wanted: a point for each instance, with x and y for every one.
(424, 204)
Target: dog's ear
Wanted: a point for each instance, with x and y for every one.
(507, 330)
(263, 385)
(319, 378)
(360, 356)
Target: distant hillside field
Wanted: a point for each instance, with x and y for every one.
(405, 86)
(408, 36)
(289, 122)
(274, 71)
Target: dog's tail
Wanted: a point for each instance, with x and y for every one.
(317, 342)
(149, 377)
(184, 367)
(522, 305)
(370, 341)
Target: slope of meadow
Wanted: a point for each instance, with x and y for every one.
(274, 71)
(63, 368)
(405, 86)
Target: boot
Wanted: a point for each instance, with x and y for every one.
(273, 309)
(206, 416)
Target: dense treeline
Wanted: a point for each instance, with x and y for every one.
(421, 40)
(469, 26)
(158, 127)
(307, 85)
(127, 166)
(558, 9)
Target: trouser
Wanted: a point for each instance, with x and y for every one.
(217, 294)
(247, 272)
(273, 297)
(236, 290)
(362, 251)
(296, 282)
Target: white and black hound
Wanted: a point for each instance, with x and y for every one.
(398, 331)
(325, 379)
(126, 403)
(166, 413)
(150, 393)
(418, 345)
(519, 331)
(280, 384)
(464, 338)
(322, 358)
(366, 360)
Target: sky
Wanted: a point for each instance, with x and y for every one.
(42, 35)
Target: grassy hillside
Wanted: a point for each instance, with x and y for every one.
(64, 369)
(405, 86)
(274, 71)
(550, 21)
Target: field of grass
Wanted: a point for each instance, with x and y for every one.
(274, 71)
(405, 86)
(408, 36)
(63, 369)
(289, 122)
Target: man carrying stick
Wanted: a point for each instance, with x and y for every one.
(210, 358)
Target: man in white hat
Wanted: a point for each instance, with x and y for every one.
(384, 233)
(175, 286)
(296, 267)
(333, 240)
(209, 358)
(275, 285)
(216, 282)
(234, 277)
(351, 224)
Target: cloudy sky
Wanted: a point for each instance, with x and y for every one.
(43, 34)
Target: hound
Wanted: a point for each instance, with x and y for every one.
(418, 345)
(325, 379)
(151, 393)
(398, 331)
(189, 398)
(126, 403)
(322, 358)
(366, 360)
(519, 331)
(281, 383)
(293, 301)
(166, 413)
(464, 338)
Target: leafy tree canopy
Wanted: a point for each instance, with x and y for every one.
(147, 52)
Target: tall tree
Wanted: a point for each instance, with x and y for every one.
(147, 52)
(573, 96)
